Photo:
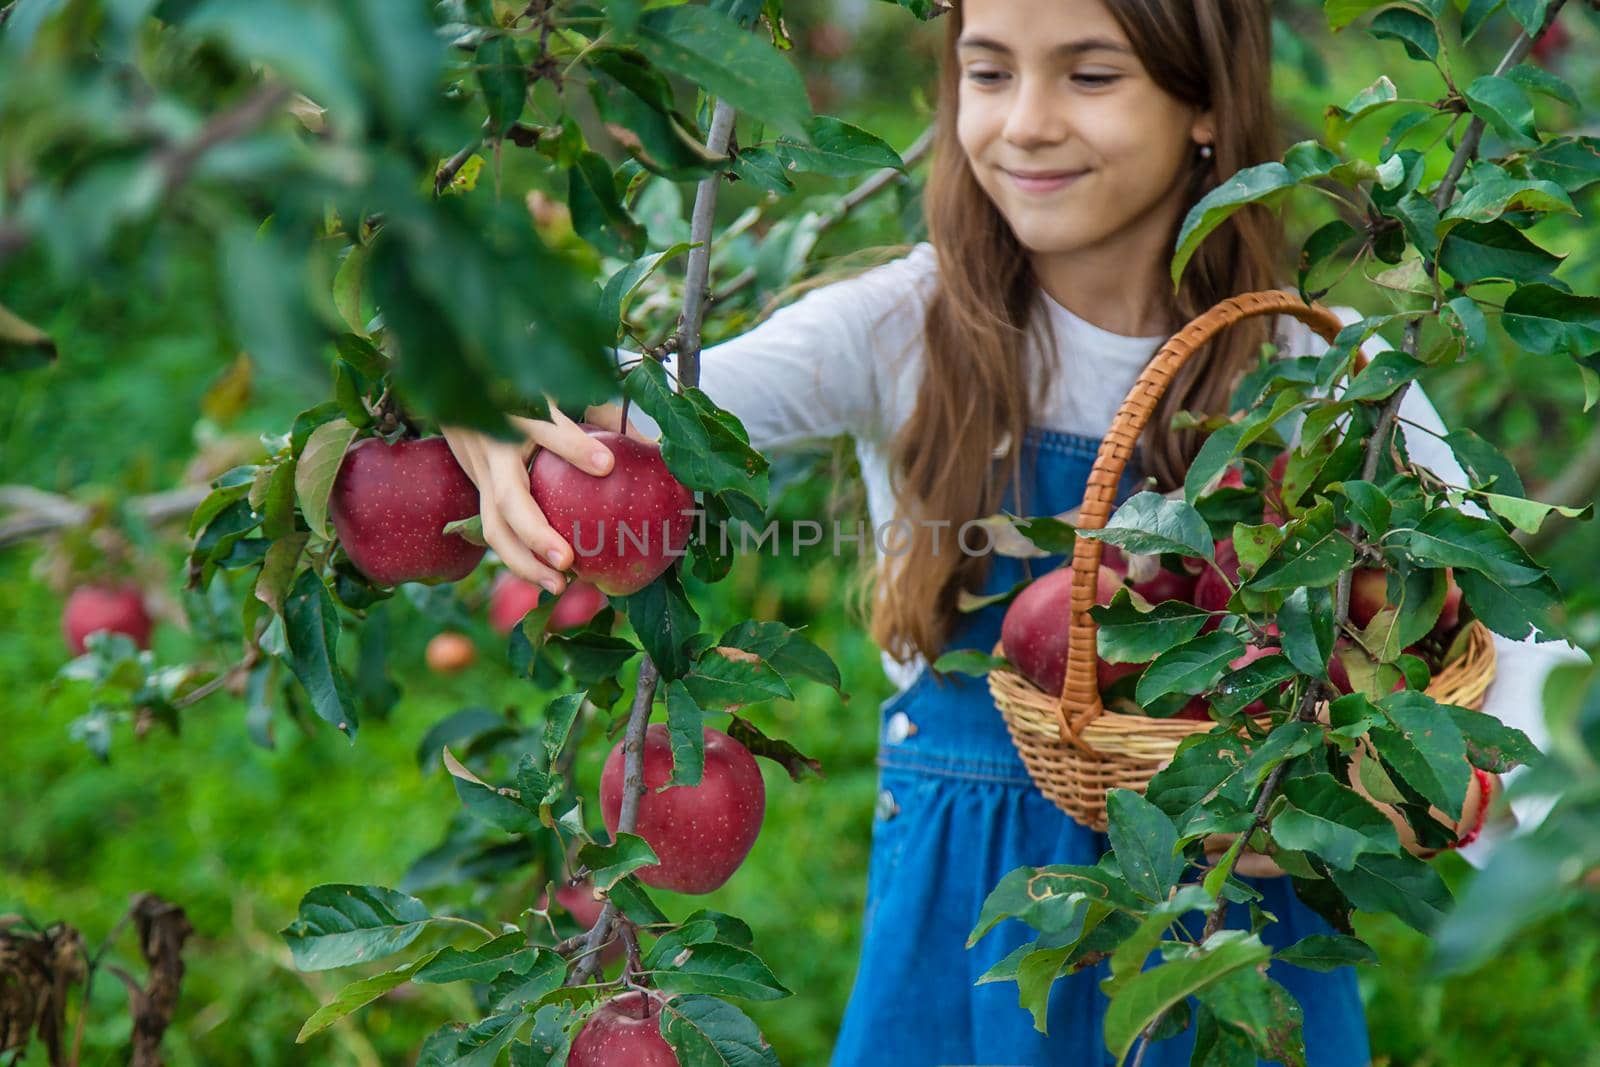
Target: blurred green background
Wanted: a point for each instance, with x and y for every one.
(236, 833)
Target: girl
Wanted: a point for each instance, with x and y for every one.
(976, 373)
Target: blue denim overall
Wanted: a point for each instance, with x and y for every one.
(956, 812)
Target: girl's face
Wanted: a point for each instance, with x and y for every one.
(1066, 132)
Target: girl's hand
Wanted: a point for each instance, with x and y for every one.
(513, 525)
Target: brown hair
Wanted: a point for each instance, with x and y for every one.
(981, 372)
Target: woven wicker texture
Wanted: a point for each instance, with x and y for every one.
(1073, 748)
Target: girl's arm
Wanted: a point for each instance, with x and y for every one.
(831, 363)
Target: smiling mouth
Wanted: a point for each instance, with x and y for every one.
(1044, 181)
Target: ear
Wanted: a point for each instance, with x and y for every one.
(1204, 128)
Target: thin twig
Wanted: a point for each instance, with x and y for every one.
(258, 107)
(41, 512)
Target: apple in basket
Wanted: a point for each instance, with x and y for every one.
(1035, 632)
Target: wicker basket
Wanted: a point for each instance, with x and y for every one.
(1073, 747)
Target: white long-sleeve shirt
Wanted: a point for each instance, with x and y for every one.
(847, 358)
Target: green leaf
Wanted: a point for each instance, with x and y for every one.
(1512, 611)
(497, 808)
(1401, 885)
(1150, 994)
(347, 297)
(968, 661)
(1253, 1006)
(1485, 464)
(1314, 552)
(609, 863)
(1332, 821)
(1189, 668)
(706, 1032)
(1327, 952)
(837, 149)
(357, 995)
(318, 467)
(1050, 899)
(479, 1045)
(1494, 251)
(1447, 537)
(788, 650)
(1433, 757)
(686, 725)
(1129, 635)
(719, 970)
(598, 214)
(710, 50)
(1149, 523)
(664, 620)
(311, 628)
(621, 286)
(1305, 629)
(531, 985)
(1548, 321)
(1497, 195)
(339, 925)
(701, 451)
(1505, 106)
(558, 719)
(504, 81)
(723, 676)
(1415, 31)
(1264, 183)
(509, 952)
(1145, 843)
(1491, 744)
(1571, 162)
(1532, 14)
(1386, 372)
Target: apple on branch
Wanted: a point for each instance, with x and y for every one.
(95, 608)
(390, 505)
(623, 1032)
(700, 833)
(626, 528)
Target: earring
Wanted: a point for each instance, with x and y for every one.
(1206, 151)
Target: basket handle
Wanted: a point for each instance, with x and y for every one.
(1080, 692)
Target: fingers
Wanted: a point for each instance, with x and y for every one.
(519, 560)
(572, 443)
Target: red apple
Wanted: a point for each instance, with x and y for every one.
(450, 653)
(1552, 43)
(513, 598)
(390, 505)
(1108, 674)
(1232, 478)
(92, 608)
(1034, 633)
(1166, 585)
(1368, 594)
(700, 833)
(1196, 710)
(626, 528)
(623, 1032)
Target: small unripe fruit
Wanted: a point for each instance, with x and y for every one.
(450, 653)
